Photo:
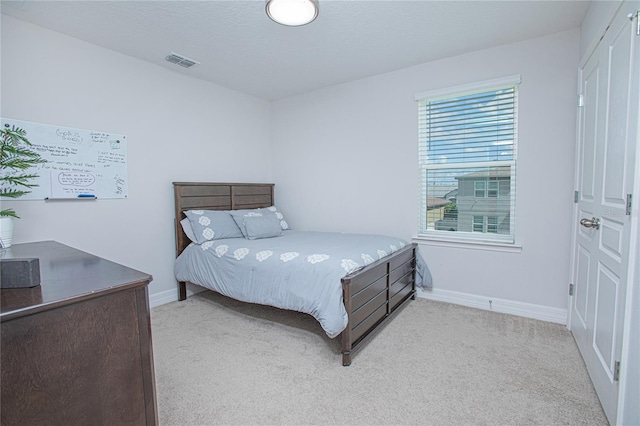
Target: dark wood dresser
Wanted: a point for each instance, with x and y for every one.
(76, 350)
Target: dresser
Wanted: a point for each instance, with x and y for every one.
(76, 350)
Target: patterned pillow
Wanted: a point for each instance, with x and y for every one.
(240, 215)
(212, 225)
(266, 226)
(186, 227)
(283, 223)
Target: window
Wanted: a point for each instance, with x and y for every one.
(478, 224)
(484, 189)
(467, 157)
(492, 224)
(487, 224)
(492, 189)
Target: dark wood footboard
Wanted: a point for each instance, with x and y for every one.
(374, 294)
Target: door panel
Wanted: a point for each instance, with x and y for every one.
(580, 294)
(590, 123)
(605, 173)
(604, 333)
(611, 239)
(615, 182)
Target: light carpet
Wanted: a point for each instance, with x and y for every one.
(219, 361)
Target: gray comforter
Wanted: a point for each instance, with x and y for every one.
(298, 271)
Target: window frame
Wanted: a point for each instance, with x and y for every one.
(464, 236)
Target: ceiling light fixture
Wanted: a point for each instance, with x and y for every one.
(292, 13)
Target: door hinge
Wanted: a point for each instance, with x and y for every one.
(616, 371)
(635, 15)
(571, 287)
(629, 202)
(580, 100)
(576, 196)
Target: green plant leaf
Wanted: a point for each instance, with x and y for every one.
(9, 213)
(16, 157)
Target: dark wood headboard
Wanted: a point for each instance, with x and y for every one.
(216, 196)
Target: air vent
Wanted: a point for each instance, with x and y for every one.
(174, 58)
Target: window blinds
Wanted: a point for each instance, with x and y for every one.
(470, 128)
(467, 152)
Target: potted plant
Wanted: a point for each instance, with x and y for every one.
(16, 157)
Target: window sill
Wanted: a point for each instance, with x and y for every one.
(468, 244)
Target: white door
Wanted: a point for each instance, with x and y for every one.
(605, 168)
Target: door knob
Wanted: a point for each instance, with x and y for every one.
(594, 222)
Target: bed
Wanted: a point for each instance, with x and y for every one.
(352, 284)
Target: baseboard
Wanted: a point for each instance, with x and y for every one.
(168, 296)
(527, 310)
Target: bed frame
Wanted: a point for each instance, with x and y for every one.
(372, 296)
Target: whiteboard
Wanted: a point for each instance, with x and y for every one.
(80, 163)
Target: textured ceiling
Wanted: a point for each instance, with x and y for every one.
(240, 48)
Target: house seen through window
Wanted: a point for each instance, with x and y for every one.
(467, 158)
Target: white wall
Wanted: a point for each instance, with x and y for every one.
(178, 128)
(345, 159)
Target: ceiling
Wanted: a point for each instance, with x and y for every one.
(240, 48)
